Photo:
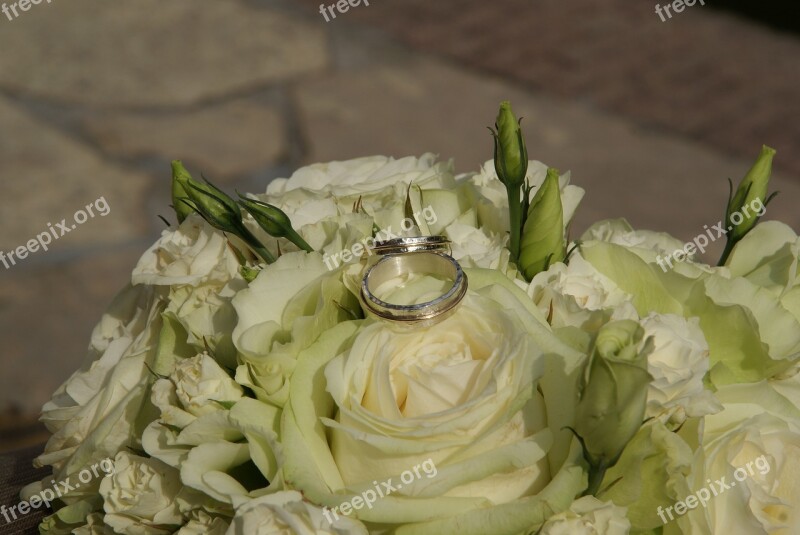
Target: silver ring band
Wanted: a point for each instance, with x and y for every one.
(412, 245)
(426, 262)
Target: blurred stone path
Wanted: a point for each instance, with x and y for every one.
(704, 74)
(96, 98)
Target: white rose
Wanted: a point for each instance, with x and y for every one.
(492, 199)
(195, 253)
(94, 526)
(473, 247)
(207, 315)
(286, 513)
(355, 177)
(461, 395)
(580, 296)
(745, 474)
(304, 299)
(202, 523)
(426, 373)
(376, 180)
(588, 516)
(224, 453)
(201, 384)
(92, 415)
(139, 498)
(619, 232)
(678, 364)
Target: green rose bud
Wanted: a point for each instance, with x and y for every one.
(543, 242)
(613, 402)
(749, 201)
(180, 177)
(510, 154)
(752, 189)
(215, 206)
(511, 165)
(274, 222)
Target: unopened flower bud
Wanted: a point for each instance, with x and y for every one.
(613, 402)
(274, 221)
(510, 153)
(543, 242)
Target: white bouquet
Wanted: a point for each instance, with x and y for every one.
(239, 387)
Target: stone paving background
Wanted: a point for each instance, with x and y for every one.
(96, 98)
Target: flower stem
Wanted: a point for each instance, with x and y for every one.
(294, 237)
(515, 220)
(255, 245)
(596, 475)
(727, 252)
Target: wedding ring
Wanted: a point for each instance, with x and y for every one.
(421, 261)
(412, 245)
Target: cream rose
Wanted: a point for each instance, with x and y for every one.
(94, 526)
(588, 516)
(140, 497)
(578, 295)
(286, 513)
(746, 471)
(202, 523)
(468, 394)
(192, 254)
(93, 414)
(619, 232)
(678, 364)
(379, 182)
(202, 386)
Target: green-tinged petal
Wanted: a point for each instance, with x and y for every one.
(634, 276)
(276, 284)
(767, 257)
(750, 335)
(70, 517)
(650, 473)
(172, 345)
(260, 425)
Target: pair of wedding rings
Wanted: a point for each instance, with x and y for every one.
(423, 255)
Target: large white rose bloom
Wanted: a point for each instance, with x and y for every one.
(748, 466)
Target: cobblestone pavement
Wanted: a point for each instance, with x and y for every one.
(96, 99)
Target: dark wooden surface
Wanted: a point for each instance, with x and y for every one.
(16, 471)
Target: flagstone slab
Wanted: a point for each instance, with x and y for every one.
(151, 52)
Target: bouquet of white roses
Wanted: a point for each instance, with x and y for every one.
(238, 386)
